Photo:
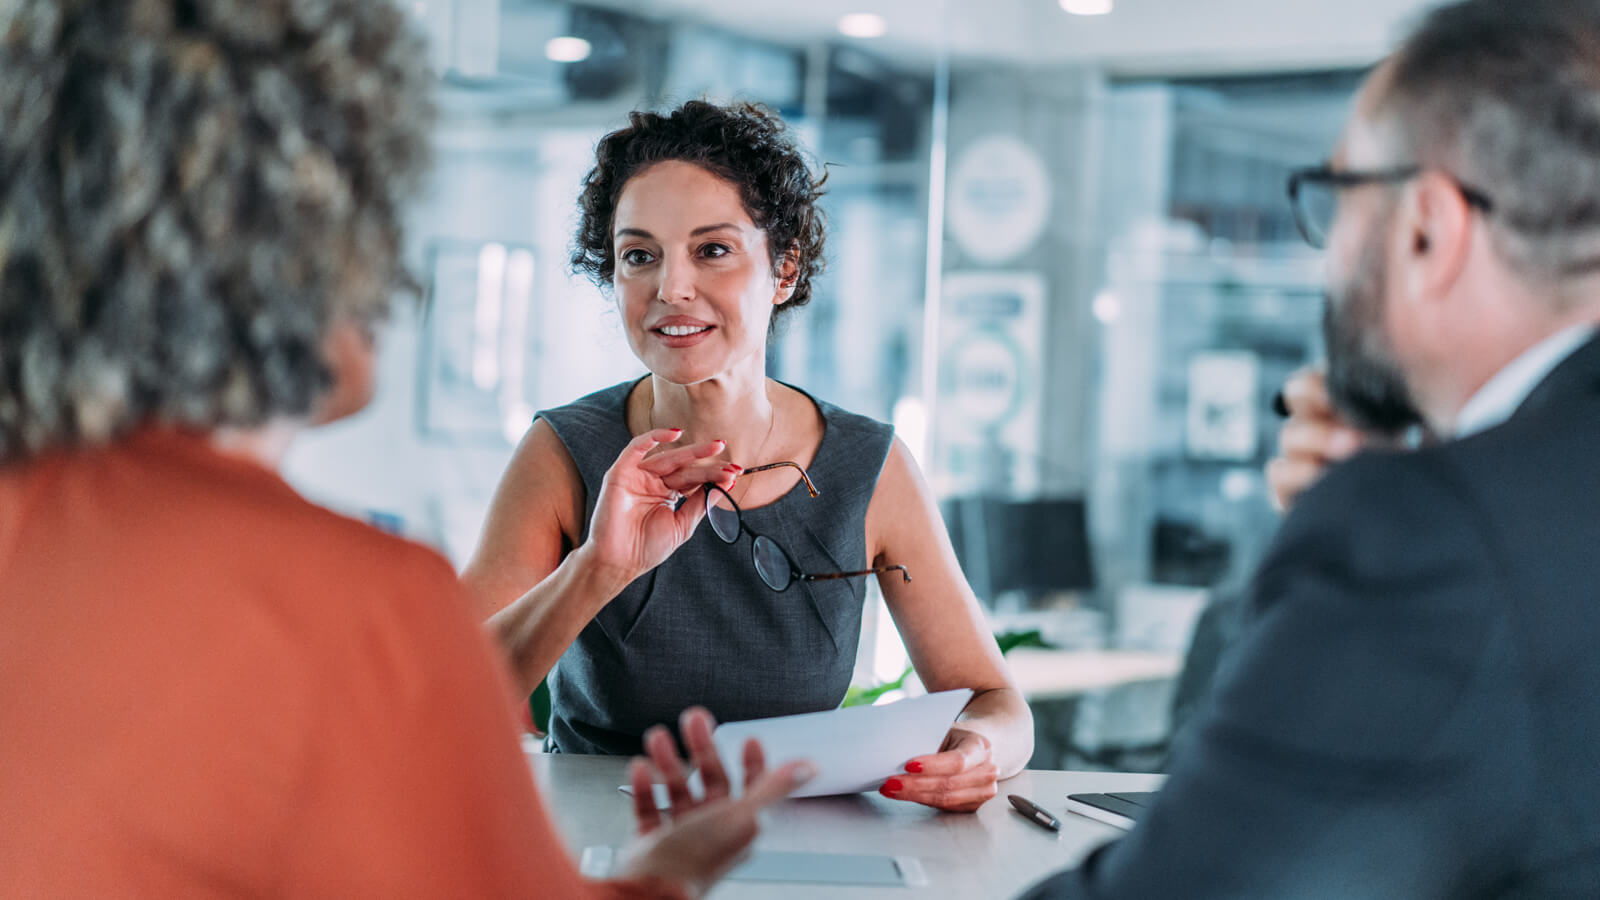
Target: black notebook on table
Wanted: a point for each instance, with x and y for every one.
(1120, 809)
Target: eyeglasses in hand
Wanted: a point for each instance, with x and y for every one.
(773, 563)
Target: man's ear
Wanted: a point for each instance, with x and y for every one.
(1438, 235)
(350, 352)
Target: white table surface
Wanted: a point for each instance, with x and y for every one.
(1058, 674)
(993, 853)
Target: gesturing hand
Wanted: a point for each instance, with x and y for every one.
(641, 515)
(961, 777)
(705, 836)
(1313, 439)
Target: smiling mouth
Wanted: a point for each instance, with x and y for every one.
(682, 330)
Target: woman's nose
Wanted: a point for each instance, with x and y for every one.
(677, 281)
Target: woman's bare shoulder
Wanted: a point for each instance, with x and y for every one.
(535, 517)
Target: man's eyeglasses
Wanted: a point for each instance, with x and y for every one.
(1314, 195)
(773, 563)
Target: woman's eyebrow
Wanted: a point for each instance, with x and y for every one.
(640, 232)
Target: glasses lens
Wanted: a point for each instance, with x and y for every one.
(771, 564)
(723, 517)
(1315, 206)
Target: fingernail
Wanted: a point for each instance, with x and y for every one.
(913, 767)
(676, 430)
(804, 773)
(892, 786)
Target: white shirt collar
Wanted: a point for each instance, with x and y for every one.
(1501, 395)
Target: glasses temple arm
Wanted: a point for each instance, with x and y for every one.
(810, 488)
(906, 574)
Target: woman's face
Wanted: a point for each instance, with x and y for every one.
(694, 278)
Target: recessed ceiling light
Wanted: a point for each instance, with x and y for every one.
(1087, 7)
(863, 25)
(567, 49)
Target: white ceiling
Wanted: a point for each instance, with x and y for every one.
(1139, 37)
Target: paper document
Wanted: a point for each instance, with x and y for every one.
(854, 749)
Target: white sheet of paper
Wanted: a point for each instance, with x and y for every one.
(854, 749)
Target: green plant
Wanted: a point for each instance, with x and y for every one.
(866, 696)
(1011, 640)
(539, 706)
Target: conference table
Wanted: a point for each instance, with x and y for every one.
(994, 852)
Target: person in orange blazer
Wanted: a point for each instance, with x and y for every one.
(209, 686)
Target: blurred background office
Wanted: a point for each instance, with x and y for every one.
(1061, 263)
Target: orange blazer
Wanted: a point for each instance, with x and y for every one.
(210, 687)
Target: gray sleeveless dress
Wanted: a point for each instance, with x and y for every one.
(703, 628)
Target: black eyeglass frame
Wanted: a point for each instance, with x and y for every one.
(1337, 179)
(795, 574)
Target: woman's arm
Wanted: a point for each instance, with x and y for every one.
(950, 644)
(538, 590)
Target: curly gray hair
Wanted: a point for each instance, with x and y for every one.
(190, 191)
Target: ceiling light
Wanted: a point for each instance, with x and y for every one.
(567, 49)
(1087, 7)
(862, 25)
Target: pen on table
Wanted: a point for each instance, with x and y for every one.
(1034, 812)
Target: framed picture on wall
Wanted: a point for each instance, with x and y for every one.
(473, 380)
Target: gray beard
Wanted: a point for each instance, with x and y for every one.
(1366, 388)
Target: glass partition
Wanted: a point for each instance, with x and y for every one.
(1116, 291)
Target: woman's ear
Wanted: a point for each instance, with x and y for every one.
(788, 276)
(349, 350)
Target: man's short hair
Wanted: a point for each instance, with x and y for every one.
(189, 193)
(1505, 94)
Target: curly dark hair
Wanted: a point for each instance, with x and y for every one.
(190, 192)
(745, 143)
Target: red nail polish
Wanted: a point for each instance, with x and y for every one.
(913, 767)
(892, 786)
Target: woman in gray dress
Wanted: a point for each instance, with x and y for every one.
(702, 224)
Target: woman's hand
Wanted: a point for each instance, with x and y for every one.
(961, 777)
(696, 725)
(1313, 438)
(706, 836)
(648, 505)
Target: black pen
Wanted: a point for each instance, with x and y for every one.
(1034, 813)
(1280, 405)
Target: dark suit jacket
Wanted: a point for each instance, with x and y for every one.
(1413, 707)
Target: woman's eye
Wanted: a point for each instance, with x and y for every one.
(636, 257)
(715, 250)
